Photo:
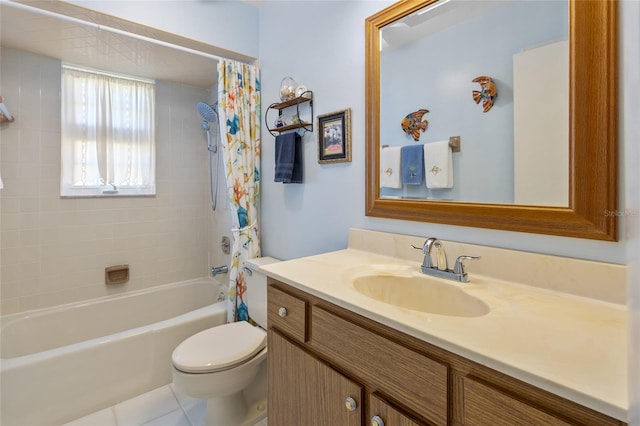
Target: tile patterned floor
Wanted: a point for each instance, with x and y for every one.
(160, 407)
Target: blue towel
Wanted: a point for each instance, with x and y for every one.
(296, 174)
(412, 164)
(288, 158)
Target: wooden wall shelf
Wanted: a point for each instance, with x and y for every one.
(307, 126)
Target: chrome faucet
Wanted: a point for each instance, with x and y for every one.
(217, 270)
(441, 268)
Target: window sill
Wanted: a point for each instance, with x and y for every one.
(106, 193)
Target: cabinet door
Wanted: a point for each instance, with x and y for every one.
(383, 414)
(305, 391)
(421, 383)
(484, 405)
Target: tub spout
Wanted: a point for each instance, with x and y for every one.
(216, 270)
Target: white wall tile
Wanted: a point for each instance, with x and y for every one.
(55, 250)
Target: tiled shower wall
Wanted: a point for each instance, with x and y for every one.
(55, 250)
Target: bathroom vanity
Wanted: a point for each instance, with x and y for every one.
(536, 357)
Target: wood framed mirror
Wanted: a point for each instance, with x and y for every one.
(592, 200)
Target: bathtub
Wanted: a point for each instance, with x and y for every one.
(61, 363)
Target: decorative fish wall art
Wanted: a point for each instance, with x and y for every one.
(412, 123)
(487, 94)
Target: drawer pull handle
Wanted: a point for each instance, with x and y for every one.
(282, 312)
(377, 421)
(350, 403)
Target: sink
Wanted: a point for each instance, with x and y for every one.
(424, 294)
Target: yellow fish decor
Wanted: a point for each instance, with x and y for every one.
(412, 123)
(487, 94)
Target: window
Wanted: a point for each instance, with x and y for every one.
(108, 134)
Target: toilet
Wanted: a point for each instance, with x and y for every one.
(226, 364)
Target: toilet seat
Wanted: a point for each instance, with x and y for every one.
(219, 348)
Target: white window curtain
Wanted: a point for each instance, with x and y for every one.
(108, 135)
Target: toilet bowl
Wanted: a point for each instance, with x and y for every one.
(217, 365)
(226, 364)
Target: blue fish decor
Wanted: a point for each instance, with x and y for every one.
(412, 124)
(487, 94)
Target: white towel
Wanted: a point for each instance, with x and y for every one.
(390, 176)
(438, 165)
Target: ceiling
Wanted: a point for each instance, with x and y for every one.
(84, 37)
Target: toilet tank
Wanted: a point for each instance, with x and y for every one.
(256, 294)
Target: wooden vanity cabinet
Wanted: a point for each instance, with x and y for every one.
(321, 354)
(306, 391)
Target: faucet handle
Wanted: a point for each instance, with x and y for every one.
(459, 266)
(426, 250)
(426, 262)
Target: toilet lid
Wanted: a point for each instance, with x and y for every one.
(219, 348)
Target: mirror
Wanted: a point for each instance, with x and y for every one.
(448, 52)
(586, 207)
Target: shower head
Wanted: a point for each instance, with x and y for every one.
(207, 112)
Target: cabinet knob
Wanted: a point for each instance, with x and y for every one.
(377, 421)
(282, 312)
(350, 403)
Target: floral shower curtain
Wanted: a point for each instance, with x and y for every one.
(239, 106)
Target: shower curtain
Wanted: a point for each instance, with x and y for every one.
(239, 106)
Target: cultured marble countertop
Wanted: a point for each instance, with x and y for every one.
(572, 346)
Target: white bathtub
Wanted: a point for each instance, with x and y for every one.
(61, 363)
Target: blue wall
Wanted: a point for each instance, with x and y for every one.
(321, 44)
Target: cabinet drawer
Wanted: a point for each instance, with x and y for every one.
(287, 313)
(484, 405)
(417, 382)
(389, 415)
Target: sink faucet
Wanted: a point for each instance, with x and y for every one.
(441, 268)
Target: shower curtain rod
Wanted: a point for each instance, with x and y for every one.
(44, 12)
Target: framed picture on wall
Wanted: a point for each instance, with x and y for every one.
(334, 137)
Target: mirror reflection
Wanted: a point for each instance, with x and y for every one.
(496, 75)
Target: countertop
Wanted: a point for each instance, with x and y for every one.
(572, 346)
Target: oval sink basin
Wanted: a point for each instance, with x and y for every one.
(422, 294)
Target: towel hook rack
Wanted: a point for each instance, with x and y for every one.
(454, 143)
